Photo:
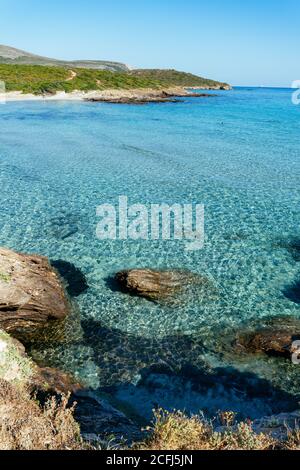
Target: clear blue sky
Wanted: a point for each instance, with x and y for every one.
(244, 42)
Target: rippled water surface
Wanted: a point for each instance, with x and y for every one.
(239, 155)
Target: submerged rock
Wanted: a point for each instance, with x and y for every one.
(63, 226)
(156, 285)
(52, 380)
(269, 342)
(292, 292)
(292, 245)
(31, 294)
(74, 277)
(275, 339)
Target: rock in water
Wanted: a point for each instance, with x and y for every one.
(156, 285)
(53, 380)
(31, 294)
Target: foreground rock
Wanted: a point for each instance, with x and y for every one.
(25, 422)
(46, 420)
(31, 294)
(99, 420)
(274, 339)
(17, 368)
(278, 426)
(157, 285)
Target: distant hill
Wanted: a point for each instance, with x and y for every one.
(10, 55)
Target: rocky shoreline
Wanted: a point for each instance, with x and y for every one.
(33, 301)
(32, 298)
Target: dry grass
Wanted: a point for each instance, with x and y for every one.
(174, 431)
(293, 440)
(24, 425)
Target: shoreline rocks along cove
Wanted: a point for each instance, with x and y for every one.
(32, 296)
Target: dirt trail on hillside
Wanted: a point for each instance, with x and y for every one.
(72, 76)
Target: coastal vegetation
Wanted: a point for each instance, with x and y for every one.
(177, 431)
(35, 415)
(39, 79)
(175, 78)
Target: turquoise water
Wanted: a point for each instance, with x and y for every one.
(239, 155)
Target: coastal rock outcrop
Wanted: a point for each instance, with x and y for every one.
(18, 368)
(157, 285)
(31, 294)
(145, 96)
(133, 100)
(275, 339)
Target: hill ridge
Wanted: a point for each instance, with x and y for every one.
(13, 56)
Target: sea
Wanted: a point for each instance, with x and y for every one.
(236, 153)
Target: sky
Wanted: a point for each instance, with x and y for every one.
(242, 42)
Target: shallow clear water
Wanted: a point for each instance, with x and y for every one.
(239, 155)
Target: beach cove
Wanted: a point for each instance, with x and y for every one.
(238, 154)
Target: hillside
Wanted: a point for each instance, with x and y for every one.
(39, 79)
(10, 55)
(175, 78)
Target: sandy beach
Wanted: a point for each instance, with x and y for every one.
(105, 95)
(61, 96)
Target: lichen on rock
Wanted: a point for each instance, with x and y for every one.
(15, 366)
